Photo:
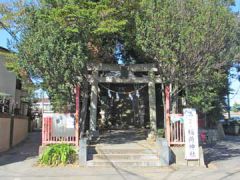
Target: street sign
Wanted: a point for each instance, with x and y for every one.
(191, 134)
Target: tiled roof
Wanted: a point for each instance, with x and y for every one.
(4, 49)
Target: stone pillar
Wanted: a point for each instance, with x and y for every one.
(152, 107)
(93, 105)
(82, 154)
(164, 151)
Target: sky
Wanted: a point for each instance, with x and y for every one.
(235, 84)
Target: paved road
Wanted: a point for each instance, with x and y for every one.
(19, 164)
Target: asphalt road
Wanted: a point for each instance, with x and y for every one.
(19, 163)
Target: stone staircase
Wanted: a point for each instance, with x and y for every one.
(137, 153)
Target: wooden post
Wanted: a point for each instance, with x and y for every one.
(167, 100)
(77, 115)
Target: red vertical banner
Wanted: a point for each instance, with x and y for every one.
(167, 122)
(77, 114)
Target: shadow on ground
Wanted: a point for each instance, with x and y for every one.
(222, 150)
(25, 150)
(122, 136)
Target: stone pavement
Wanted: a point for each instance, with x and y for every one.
(20, 163)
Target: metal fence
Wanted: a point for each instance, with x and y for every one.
(58, 128)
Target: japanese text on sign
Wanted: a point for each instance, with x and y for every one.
(191, 134)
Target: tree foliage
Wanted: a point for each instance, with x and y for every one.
(57, 38)
(236, 107)
(192, 42)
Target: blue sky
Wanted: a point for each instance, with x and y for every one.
(235, 84)
(236, 8)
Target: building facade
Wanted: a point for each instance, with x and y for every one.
(11, 92)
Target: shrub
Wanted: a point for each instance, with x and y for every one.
(58, 154)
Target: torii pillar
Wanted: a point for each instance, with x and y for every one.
(93, 106)
(152, 107)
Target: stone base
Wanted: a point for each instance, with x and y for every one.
(178, 157)
(82, 153)
(152, 137)
(163, 151)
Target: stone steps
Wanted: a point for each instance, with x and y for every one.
(125, 157)
(121, 151)
(122, 155)
(124, 148)
(124, 163)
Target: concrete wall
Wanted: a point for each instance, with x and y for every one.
(4, 133)
(19, 132)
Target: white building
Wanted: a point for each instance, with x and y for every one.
(11, 92)
(42, 105)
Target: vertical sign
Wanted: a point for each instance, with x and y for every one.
(191, 134)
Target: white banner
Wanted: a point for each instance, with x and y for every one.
(191, 134)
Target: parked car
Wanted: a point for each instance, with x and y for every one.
(233, 125)
(235, 120)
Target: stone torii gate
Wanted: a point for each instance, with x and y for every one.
(96, 78)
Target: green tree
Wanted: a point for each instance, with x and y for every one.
(192, 42)
(58, 37)
(236, 107)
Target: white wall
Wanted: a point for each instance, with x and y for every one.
(7, 80)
